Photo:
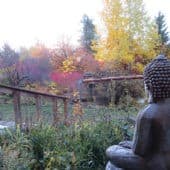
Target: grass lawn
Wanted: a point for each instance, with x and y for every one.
(90, 111)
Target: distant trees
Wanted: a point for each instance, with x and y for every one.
(69, 63)
(61, 57)
(86, 61)
(163, 33)
(129, 40)
(36, 70)
(162, 28)
(38, 63)
(131, 36)
(8, 56)
(88, 33)
(64, 65)
(35, 63)
(10, 67)
(24, 66)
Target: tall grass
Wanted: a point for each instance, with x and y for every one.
(80, 145)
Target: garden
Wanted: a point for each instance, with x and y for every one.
(81, 144)
(90, 115)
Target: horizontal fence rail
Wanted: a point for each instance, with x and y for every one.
(32, 92)
(88, 80)
(16, 94)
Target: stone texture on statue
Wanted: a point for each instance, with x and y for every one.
(110, 166)
(124, 157)
(150, 148)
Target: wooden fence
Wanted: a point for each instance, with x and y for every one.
(112, 78)
(91, 83)
(17, 92)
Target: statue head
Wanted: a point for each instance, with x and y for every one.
(157, 79)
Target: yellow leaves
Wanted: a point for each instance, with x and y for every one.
(77, 109)
(50, 162)
(68, 65)
(114, 46)
(127, 59)
(138, 68)
(129, 33)
(53, 88)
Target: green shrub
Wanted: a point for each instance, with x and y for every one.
(43, 139)
(81, 146)
(15, 149)
(92, 142)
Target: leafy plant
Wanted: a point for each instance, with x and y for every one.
(15, 150)
(79, 146)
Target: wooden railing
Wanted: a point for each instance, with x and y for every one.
(88, 80)
(16, 93)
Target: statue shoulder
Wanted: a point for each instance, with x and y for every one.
(146, 113)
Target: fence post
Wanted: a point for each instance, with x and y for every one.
(65, 108)
(55, 111)
(38, 107)
(17, 107)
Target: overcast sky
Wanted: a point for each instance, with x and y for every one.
(24, 22)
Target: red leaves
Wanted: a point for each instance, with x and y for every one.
(66, 79)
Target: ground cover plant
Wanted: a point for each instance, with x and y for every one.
(79, 145)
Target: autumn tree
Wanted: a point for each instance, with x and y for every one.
(24, 53)
(88, 33)
(131, 36)
(143, 36)
(39, 50)
(85, 61)
(62, 57)
(9, 65)
(37, 70)
(129, 42)
(35, 63)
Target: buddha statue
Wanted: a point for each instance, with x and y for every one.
(150, 148)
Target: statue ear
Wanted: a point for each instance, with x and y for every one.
(150, 97)
(147, 87)
(149, 92)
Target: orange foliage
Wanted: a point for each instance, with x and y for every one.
(38, 51)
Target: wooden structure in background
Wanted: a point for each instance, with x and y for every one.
(90, 90)
(112, 78)
(16, 93)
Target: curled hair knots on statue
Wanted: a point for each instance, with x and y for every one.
(157, 77)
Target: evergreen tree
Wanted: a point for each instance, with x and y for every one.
(88, 33)
(162, 28)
